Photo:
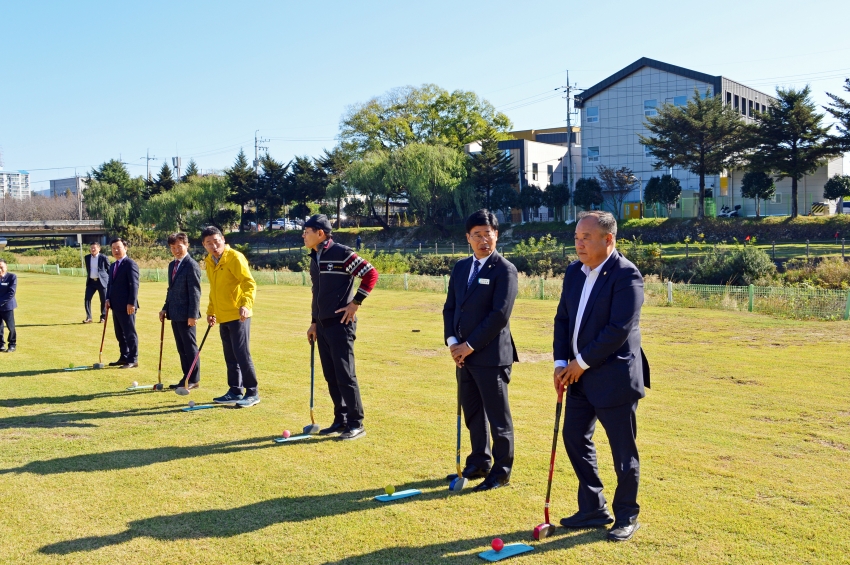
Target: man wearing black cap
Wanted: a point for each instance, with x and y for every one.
(334, 322)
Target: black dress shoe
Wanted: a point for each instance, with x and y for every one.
(469, 472)
(490, 484)
(353, 433)
(118, 363)
(129, 366)
(332, 429)
(623, 531)
(11, 349)
(592, 519)
(180, 385)
(2, 349)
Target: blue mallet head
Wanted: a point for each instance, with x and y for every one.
(458, 483)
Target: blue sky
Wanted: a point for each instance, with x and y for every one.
(87, 81)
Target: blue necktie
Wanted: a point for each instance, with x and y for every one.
(475, 268)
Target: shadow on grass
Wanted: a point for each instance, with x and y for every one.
(75, 419)
(459, 551)
(37, 372)
(230, 522)
(48, 325)
(132, 458)
(69, 399)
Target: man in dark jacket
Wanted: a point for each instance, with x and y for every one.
(97, 277)
(8, 288)
(476, 322)
(598, 356)
(333, 268)
(183, 306)
(122, 294)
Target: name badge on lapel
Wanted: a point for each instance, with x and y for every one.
(483, 281)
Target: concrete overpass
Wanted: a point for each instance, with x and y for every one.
(89, 230)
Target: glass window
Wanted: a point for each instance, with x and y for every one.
(728, 97)
(649, 107)
(680, 101)
(646, 152)
(534, 171)
(592, 154)
(736, 101)
(550, 173)
(750, 113)
(592, 114)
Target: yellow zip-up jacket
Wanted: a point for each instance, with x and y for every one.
(231, 286)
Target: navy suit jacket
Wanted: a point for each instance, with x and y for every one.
(123, 287)
(183, 298)
(102, 268)
(8, 288)
(609, 334)
(483, 312)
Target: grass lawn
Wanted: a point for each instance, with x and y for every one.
(744, 438)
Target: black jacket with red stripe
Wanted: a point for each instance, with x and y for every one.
(332, 272)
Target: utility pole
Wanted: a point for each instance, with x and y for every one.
(570, 186)
(148, 158)
(257, 141)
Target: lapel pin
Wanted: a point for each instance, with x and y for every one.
(604, 273)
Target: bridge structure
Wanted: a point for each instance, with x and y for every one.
(72, 231)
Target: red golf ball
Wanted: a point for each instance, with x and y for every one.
(497, 544)
(286, 433)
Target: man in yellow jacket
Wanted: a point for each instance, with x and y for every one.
(232, 292)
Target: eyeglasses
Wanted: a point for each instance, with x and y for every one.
(482, 236)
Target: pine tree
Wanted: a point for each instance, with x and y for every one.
(241, 179)
(840, 109)
(490, 168)
(191, 171)
(790, 139)
(164, 181)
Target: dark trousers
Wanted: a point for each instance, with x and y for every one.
(93, 286)
(187, 348)
(7, 318)
(486, 411)
(336, 351)
(125, 333)
(235, 339)
(620, 426)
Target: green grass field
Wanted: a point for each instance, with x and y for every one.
(744, 438)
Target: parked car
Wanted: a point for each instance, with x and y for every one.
(282, 224)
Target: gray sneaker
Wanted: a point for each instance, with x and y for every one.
(228, 398)
(248, 401)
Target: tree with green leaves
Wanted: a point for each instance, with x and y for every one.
(242, 184)
(837, 187)
(163, 182)
(431, 175)
(272, 190)
(839, 108)
(616, 185)
(334, 164)
(664, 190)
(491, 167)
(307, 183)
(114, 197)
(530, 199)
(425, 114)
(557, 196)
(366, 177)
(191, 171)
(790, 139)
(504, 198)
(190, 206)
(703, 137)
(759, 186)
(588, 193)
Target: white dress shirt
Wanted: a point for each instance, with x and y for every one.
(592, 276)
(452, 340)
(93, 274)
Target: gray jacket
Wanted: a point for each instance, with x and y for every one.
(183, 299)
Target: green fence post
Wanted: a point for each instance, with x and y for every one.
(669, 292)
(405, 281)
(157, 274)
(275, 277)
(847, 308)
(303, 278)
(752, 297)
(542, 291)
(58, 272)
(446, 284)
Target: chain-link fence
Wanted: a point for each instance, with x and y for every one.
(785, 302)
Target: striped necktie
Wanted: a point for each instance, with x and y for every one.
(475, 269)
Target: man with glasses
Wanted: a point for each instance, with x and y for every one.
(476, 319)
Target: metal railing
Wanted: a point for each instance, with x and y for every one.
(784, 302)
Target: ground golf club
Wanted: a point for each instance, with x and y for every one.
(313, 427)
(460, 481)
(546, 528)
(99, 364)
(184, 390)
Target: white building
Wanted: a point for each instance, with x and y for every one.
(613, 113)
(61, 187)
(15, 184)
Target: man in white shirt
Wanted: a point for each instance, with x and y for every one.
(97, 266)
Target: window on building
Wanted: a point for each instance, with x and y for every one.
(646, 152)
(534, 171)
(592, 114)
(750, 113)
(777, 198)
(728, 98)
(736, 102)
(592, 154)
(649, 107)
(680, 101)
(550, 173)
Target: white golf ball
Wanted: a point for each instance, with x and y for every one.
(191, 403)
(135, 383)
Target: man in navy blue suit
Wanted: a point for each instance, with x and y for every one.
(8, 288)
(476, 323)
(598, 356)
(122, 295)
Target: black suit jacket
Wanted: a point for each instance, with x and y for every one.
(8, 288)
(483, 312)
(102, 268)
(183, 298)
(122, 289)
(609, 334)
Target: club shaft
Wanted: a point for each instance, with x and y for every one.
(103, 337)
(459, 414)
(197, 356)
(554, 450)
(312, 378)
(161, 339)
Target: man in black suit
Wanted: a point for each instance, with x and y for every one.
(599, 358)
(122, 294)
(476, 321)
(183, 306)
(8, 288)
(97, 269)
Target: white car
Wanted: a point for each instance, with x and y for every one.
(282, 224)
